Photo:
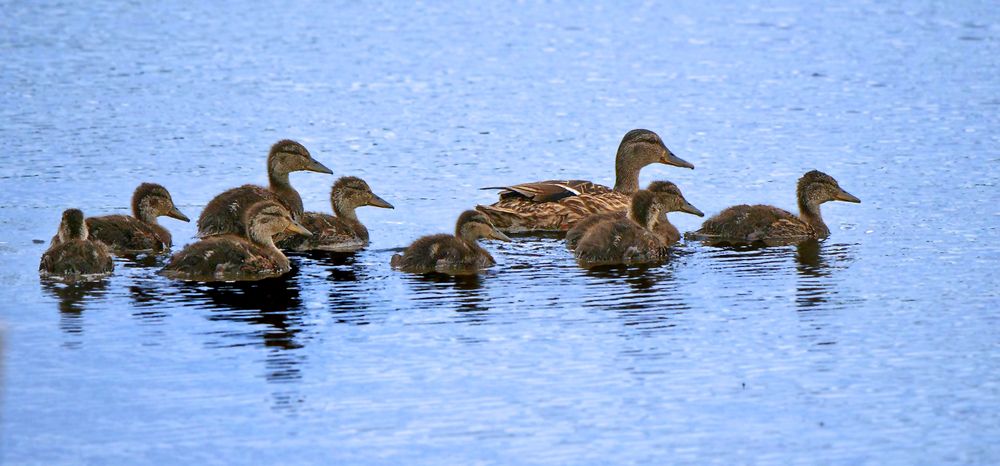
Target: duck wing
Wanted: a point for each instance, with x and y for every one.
(549, 190)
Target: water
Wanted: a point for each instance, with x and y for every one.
(878, 345)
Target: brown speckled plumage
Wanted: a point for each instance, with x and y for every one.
(341, 232)
(750, 223)
(140, 232)
(74, 255)
(556, 205)
(231, 257)
(224, 213)
(663, 228)
(453, 254)
(635, 239)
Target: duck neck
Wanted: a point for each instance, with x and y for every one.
(343, 210)
(266, 242)
(810, 214)
(144, 212)
(278, 183)
(626, 173)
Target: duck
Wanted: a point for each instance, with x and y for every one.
(769, 224)
(75, 255)
(457, 254)
(224, 214)
(556, 205)
(635, 238)
(341, 232)
(664, 229)
(232, 257)
(139, 232)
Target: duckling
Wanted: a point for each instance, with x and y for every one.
(231, 257)
(750, 223)
(635, 239)
(664, 229)
(341, 232)
(140, 232)
(455, 254)
(73, 254)
(556, 205)
(224, 213)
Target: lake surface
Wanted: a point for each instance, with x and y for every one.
(878, 345)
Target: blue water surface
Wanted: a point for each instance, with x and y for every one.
(879, 345)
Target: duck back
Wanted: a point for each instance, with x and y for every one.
(442, 253)
(619, 241)
(224, 213)
(333, 234)
(76, 257)
(226, 257)
(752, 223)
(127, 234)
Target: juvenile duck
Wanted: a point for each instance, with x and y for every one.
(556, 205)
(749, 223)
(456, 254)
(224, 213)
(341, 232)
(664, 229)
(232, 257)
(140, 232)
(634, 240)
(73, 254)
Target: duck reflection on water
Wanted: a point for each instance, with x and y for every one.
(73, 298)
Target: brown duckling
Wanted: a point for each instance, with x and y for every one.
(664, 229)
(141, 232)
(750, 223)
(341, 232)
(556, 205)
(232, 257)
(224, 213)
(73, 253)
(455, 254)
(634, 240)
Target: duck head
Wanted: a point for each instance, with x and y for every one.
(151, 200)
(669, 196)
(351, 192)
(473, 225)
(288, 156)
(816, 187)
(641, 147)
(268, 218)
(72, 226)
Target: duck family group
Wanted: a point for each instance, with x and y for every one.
(242, 232)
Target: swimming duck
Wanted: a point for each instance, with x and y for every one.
(232, 257)
(556, 205)
(341, 232)
(664, 229)
(73, 254)
(750, 223)
(224, 213)
(140, 232)
(455, 254)
(634, 240)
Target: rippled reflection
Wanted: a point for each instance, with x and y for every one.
(72, 300)
(816, 284)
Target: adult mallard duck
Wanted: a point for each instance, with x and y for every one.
(771, 225)
(341, 232)
(140, 232)
(556, 205)
(224, 213)
(74, 255)
(453, 254)
(664, 229)
(232, 257)
(634, 240)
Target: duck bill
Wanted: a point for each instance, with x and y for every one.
(174, 213)
(498, 235)
(670, 159)
(376, 201)
(688, 208)
(296, 227)
(847, 197)
(317, 167)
